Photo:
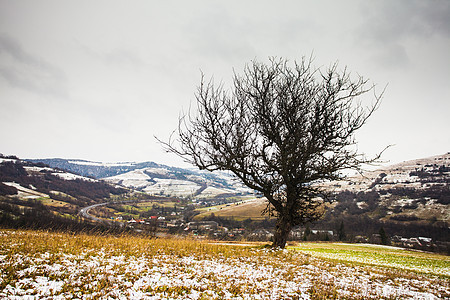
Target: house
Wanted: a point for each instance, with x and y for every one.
(329, 232)
(261, 235)
(203, 225)
(175, 223)
(425, 241)
(296, 234)
(414, 242)
(238, 231)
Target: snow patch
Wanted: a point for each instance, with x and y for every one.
(213, 191)
(24, 192)
(132, 175)
(70, 176)
(173, 187)
(37, 169)
(2, 160)
(160, 171)
(101, 164)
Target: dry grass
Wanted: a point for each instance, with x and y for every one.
(65, 266)
(53, 203)
(239, 211)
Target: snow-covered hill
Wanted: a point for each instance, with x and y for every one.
(418, 174)
(415, 191)
(155, 179)
(21, 174)
(27, 180)
(179, 182)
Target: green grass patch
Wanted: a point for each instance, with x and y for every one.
(380, 256)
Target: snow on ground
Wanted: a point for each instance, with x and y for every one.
(210, 192)
(24, 192)
(133, 179)
(173, 187)
(2, 160)
(37, 169)
(70, 176)
(101, 164)
(403, 202)
(160, 171)
(132, 175)
(259, 274)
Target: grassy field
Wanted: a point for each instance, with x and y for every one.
(380, 256)
(38, 264)
(240, 211)
(53, 203)
(147, 205)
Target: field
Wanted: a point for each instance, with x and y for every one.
(40, 265)
(380, 256)
(239, 211)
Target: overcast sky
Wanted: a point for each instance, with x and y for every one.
(97, 80)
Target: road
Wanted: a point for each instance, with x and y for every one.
(84, 212)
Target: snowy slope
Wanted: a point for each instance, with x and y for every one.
(411, 191)
(155, 179)
(178, 182)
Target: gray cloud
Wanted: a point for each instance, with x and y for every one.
(130, 69)
(389, 28)
(29, 72)
(391, 56)
(119, 56)
(391, 21)
(220, 36)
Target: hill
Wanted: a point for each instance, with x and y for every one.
(36, 195)
(94, 169)
(155, 179)
(415, 191)
(409, 199)
(241, 210)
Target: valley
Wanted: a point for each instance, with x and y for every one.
(406, 201)
(65, 235)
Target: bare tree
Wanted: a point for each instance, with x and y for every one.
(282, 129)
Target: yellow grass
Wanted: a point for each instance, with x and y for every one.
(39, 264)
(240, 211)
(53, 203)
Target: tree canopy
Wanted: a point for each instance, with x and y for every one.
(281, 129)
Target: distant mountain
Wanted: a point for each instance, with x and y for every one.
(94, 169)
(155, 179)
(36, 180)
(418, 174)
(38, 196)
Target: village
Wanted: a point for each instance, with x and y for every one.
(160, 226)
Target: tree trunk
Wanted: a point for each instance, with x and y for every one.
(282, 230)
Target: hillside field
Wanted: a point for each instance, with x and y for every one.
(41, 264)
(240, 211)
